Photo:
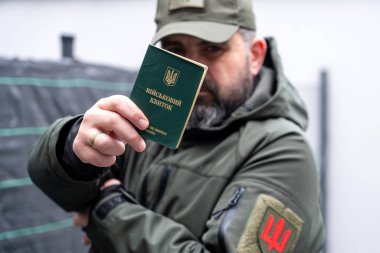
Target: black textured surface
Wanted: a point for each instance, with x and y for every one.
(33, 106)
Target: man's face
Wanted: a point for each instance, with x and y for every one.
(228, 82)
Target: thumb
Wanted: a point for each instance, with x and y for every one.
(110, 182)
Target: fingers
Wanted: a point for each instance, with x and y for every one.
(126, 108)
(106, 128)
(90, 155)
(86, 240)
(112, 122)
(109, 183)
(80, 219)
(107, 144)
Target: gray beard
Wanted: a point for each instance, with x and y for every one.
(205, 116)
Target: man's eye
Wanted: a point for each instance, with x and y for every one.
(176, 50)
(213, 48)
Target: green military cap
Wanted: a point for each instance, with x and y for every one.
(210, 20)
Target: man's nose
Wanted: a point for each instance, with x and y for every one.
(196, 56)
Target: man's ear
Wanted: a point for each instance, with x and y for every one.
(258, 51)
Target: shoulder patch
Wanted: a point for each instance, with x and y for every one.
(271, 228)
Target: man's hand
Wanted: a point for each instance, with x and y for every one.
(80, 219)
(106, 128)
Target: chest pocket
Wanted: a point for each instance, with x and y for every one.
(154, 184)
(180, 194)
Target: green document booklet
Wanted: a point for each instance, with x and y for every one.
(166, 89)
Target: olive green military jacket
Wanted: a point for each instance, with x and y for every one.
(249, 185)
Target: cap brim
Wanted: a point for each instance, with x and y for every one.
(208, 31)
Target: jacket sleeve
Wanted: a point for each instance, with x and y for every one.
(279, 195)
(279, 176)
(47, 173)
(132, 228)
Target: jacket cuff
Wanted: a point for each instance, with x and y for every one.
(110, 198)
(101, 217)
(48, 174)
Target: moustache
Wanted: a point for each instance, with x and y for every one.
(210, 87)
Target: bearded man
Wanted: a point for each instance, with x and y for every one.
(244, 178)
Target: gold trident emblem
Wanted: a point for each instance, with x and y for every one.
(171, 76)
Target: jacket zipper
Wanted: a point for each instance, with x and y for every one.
(144, 190)
(231, 210)
(162, 187)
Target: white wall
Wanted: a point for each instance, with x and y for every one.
(342, 36)
(111, 32)
(338, 35)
